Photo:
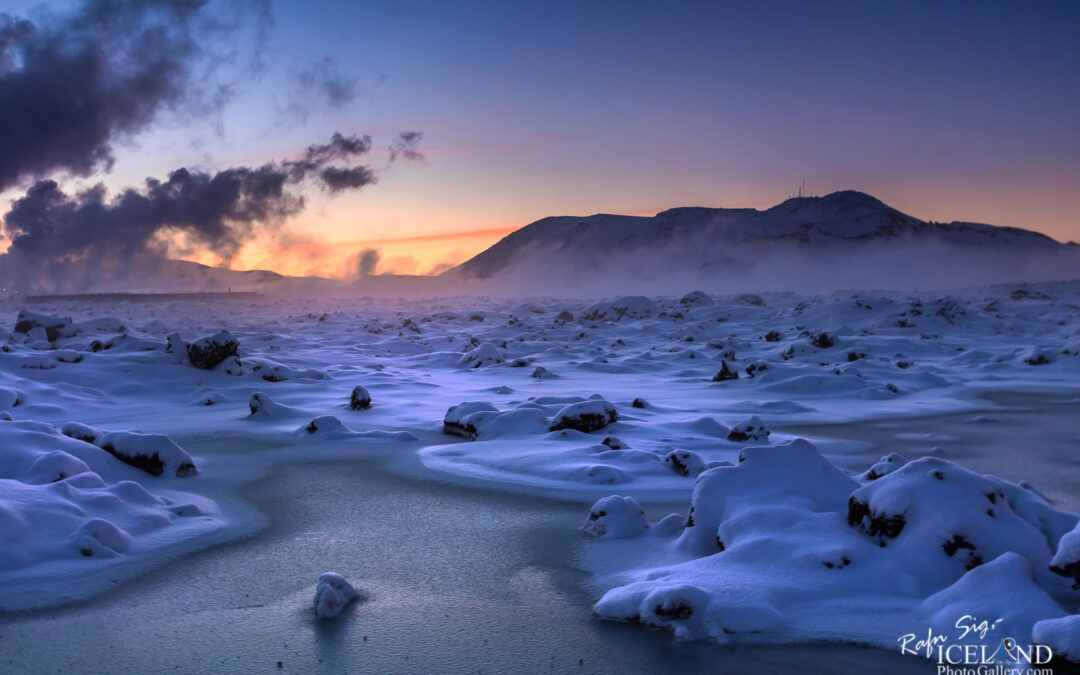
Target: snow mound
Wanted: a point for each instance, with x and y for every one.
(1062, 636)
(261, 405)
(684, 462)
(784, 547)
(153, 453)
(616, 516)
(752, 429)
(697, 299)
(54, 327)
(482, 356)
(481, 420)
(332, 594)
(1066, 560)
(629, 307)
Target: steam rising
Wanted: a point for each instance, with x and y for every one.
(53, 233)
(72, 85)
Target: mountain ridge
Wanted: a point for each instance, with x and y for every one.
(843, 217)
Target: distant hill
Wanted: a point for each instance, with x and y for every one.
(697, 239)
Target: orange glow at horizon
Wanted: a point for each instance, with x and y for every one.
(298, 255)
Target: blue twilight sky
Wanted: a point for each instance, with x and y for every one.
(945, 110)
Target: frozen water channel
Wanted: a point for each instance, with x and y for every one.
(453, 579)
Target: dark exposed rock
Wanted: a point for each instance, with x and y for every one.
(639, 403)
(614, 443)
(684, 462)
(967, 554)
(55, 327)
(360, 399)
(879, 525)
(726, 373)
(773, 336)
(587, 416)
(822, 341)
(208, 352)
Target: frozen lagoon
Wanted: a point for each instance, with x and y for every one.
(866, 394)
(452, 580)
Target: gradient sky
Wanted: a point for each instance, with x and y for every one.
(957, 110)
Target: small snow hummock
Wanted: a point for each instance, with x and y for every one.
(1066, 560)
(456, 421)
(482, 356)
(206, 353)
(360, 399)
(616, 516)
(697, 299)
(1041, 356)
(1062, 636)
(153, 453)
(332, 594)
(480, 419)
(587, 416)
(261, 405)
(883, 467)
(630, 307)
(324, 424)
(684, 462)
(752, 429)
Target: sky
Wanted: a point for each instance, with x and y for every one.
(947, 111)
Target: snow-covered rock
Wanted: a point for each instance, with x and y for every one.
(883, 467)
(482, 356)
(587, 416)
(332, 594)
(54, 327)
(155, 454)
(360, 399)
(616, 516)
(1066, 560)
(725, 373)
(261, 405)
(206, 353)
(629, 307)
(456, 422)
(684, 462)
(752, 429)
(697, 299)
(1062, 636)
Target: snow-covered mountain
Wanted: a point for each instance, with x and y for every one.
(701, 238)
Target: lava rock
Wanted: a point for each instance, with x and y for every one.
(684, 462)
(726, 373)
(822, 340)
(752, 429)
(206, 353)
(360, 399)
(587, 416)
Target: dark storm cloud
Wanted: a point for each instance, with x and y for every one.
(335, 179)
(73, 84)
(217, 212)
(407, 145)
